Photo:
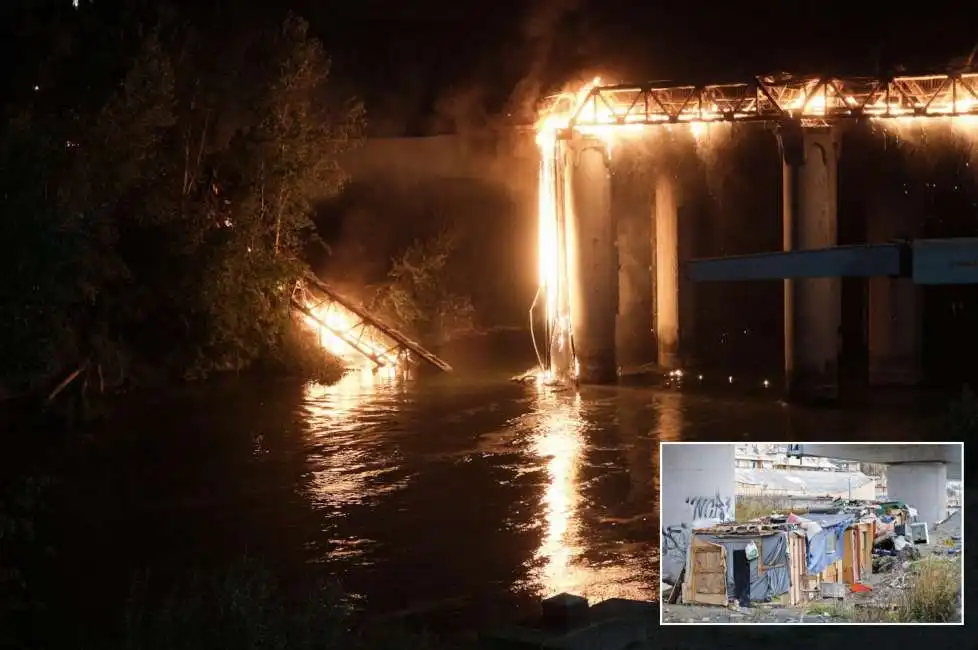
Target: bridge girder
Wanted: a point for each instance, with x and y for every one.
(812, 100)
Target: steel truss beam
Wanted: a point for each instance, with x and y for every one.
(311, 295)
(818, 99)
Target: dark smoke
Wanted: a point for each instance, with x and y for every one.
(540, 32)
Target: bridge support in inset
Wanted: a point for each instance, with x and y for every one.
(812, 307)
(922, 486)
(667, 270)
(698, 487)
(592, 263)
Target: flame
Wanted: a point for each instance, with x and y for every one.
(343, 334)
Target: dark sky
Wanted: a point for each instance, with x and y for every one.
(406, 55)
(412, 60)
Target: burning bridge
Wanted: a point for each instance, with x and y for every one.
(352, 333)
(580, 243)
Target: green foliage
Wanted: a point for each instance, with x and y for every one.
(161, 219)
(418, 295)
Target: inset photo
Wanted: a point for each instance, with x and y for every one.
(786, 533)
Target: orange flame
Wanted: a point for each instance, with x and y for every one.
(337, 330)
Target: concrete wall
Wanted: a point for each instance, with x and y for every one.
(698, 485)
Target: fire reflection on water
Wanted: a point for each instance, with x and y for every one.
(350, 460)
(558, 438)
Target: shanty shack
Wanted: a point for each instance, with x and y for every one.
(746, 562)
(782, 560)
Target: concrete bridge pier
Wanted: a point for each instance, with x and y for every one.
(922, 485)
(631, 197)
(593, 260)
(812, 307)
(894, 316)
(666, 209)
(698, 486)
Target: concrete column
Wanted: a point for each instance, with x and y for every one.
(667, 271)
(698, 487)
(921, 485)
(592, 263)
(894, 332)
(894, 316)
(812, 307)
(635, 333)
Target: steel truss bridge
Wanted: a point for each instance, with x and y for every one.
(816, 100)
(786, 99)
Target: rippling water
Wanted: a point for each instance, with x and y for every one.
(444, 495)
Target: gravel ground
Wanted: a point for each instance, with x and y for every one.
(762, 614)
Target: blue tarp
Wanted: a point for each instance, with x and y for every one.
(826, 547)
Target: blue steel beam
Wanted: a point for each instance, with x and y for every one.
(945, 261)
(842, 261)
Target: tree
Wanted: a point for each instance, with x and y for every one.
(418, 295)
(161, 218)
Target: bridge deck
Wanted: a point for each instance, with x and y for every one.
(771, 98)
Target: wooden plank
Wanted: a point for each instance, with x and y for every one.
(849, 561)
(707, 579)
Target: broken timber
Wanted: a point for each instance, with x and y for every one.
(396, 341)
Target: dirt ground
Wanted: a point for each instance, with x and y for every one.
(761, 614)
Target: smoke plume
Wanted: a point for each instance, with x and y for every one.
(540, 33)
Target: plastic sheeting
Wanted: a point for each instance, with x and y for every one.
(773, 550)
(827, 546)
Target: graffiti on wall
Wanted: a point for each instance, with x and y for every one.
(714, 508)
(704, 512)
(675, 541)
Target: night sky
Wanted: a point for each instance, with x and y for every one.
(425, 65)
(407, 58)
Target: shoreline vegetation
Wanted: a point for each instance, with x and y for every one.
(158, 226)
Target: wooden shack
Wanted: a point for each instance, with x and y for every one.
(857, 561)
(706, 577)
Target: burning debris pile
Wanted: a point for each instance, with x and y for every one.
(349, 332)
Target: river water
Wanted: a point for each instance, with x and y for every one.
(465, 497)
